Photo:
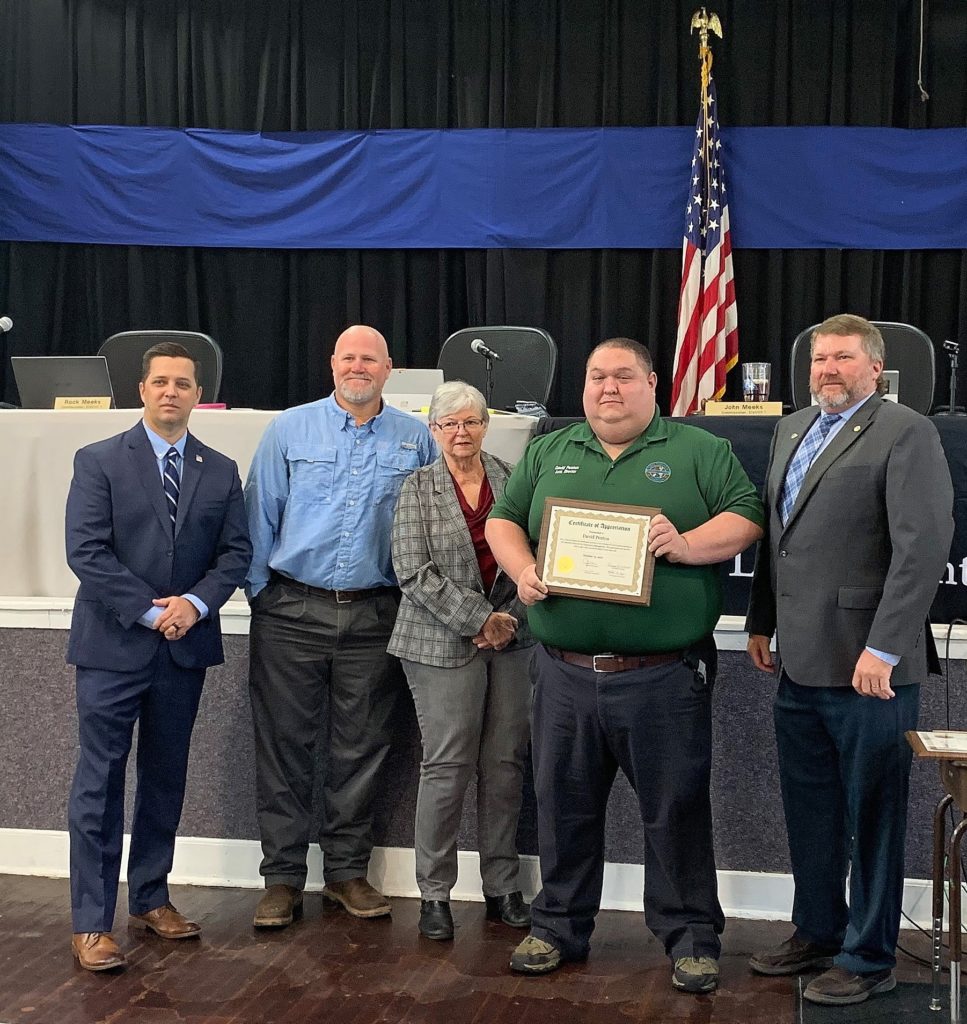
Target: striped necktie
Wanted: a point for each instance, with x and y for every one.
(801, 462)
(172, 483)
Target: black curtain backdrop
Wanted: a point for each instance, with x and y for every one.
(277, 65)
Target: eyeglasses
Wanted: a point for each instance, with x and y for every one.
(452, 426)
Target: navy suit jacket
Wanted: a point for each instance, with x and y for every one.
(120, 546)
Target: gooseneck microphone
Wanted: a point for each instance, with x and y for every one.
(482, 350)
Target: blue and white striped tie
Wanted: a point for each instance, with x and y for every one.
(172, 482)
(801, 462)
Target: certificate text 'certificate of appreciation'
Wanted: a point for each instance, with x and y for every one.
(596, 550)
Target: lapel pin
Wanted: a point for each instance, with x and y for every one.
(793, 437)
(856, 430)
(198, 458)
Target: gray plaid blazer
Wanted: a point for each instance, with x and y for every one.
(443, 604)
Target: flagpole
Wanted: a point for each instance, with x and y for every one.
(705, 23)
(706, 346)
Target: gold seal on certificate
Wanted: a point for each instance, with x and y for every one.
(597, 550)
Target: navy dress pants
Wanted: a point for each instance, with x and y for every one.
(655, 725)
(163, 699)
(844, 768)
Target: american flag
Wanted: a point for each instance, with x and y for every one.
(708, 326)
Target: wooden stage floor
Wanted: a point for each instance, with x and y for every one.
(334, 969)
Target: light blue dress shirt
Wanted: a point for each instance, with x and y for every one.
(161, 448)
(890, 659)
(321, 493)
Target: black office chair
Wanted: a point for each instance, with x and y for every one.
(525, 371)
(124, 352)
(908, 350)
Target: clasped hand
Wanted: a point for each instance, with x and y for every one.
(178, 617)
(497, 632)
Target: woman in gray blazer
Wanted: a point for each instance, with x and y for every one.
(462, 638)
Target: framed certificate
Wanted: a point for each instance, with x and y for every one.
(597, 550)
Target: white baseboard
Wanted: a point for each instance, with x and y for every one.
(235, 862)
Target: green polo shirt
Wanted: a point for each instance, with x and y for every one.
(690, 474)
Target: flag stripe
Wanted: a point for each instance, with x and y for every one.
(707, 342)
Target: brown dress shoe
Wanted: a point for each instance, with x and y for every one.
(278, 906)
(166, 922)
(97, 951)
(358, 897)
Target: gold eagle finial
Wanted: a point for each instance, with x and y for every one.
(705, 23)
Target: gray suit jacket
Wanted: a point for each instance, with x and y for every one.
(859, 562)
(443, 604)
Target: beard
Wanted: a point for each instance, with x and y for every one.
(358, 391)
(847, 395)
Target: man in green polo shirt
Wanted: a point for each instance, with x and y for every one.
(621, 685)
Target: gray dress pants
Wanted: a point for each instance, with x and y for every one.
(473, 719)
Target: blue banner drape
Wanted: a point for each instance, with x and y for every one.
(612, 188)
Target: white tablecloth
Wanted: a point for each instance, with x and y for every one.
(37, 452)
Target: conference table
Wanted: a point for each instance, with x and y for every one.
(36, 455)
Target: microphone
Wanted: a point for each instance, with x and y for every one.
(482, 350)
(5, 324)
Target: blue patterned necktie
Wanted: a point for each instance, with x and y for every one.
(172, 483)
(801, 462)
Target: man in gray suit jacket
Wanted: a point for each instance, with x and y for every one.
(858, 502)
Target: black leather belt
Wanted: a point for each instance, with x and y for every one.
(339, 596)
(614, 662)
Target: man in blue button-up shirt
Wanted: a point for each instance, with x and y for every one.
(320, 496)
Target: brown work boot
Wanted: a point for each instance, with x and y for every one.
(97, 951)
(358, 897)
(279, 905)
(794, 956)
(166, 922)
(839, 987)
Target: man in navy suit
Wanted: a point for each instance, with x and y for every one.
(157, 536)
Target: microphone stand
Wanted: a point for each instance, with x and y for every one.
(952, 349)
(489, 392)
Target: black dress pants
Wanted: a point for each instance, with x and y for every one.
(654, 724)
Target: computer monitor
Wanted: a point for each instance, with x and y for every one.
(413, 382)
(43, 379)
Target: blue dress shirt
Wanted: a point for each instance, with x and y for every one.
(161, 447)
(321, 493)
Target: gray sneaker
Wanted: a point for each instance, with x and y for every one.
(696, 974)
(535, 956)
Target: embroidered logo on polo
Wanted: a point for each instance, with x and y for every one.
(565, 470)
(658, 472)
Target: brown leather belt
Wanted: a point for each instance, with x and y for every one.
(339, 596)
(614, 662)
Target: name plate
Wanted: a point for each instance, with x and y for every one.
(75, 402)
(743, 408)
(597, 550)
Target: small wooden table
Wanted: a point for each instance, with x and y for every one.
(953, 778)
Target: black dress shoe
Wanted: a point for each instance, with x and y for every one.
(436, 921)
(509, 908)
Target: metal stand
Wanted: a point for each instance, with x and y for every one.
(489, 393)
(952, 348)
(939, 830)
(953, 777)
(954, 872)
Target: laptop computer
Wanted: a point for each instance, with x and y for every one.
(407, 402)
(42, 379)
(413, 382)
